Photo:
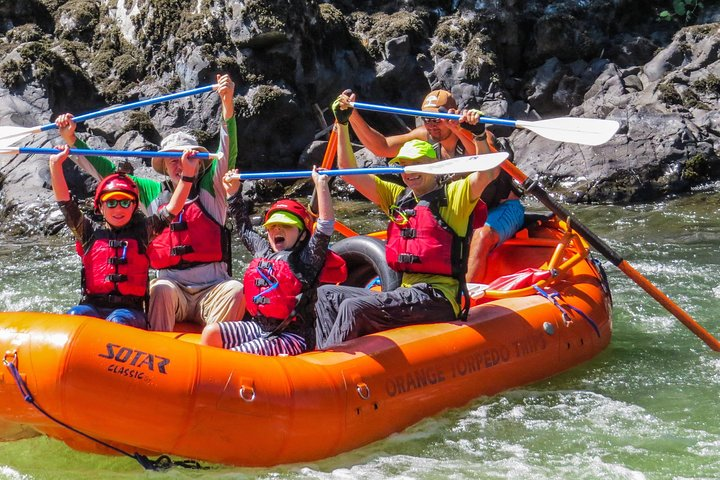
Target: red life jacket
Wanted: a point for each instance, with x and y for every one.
(420, 241)
(115, 269)
(193, 238)
(272, 289)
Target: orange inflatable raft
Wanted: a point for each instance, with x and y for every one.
(80, 379)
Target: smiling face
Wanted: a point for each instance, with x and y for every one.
(282, 237)
(173, 169)
(115, 214)
(419, 183)
(437, 128)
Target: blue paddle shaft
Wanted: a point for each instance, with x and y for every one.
(109, 153)
(420, 113)
(130, 106)
(332, 173)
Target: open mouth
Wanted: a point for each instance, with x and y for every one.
(278, 239)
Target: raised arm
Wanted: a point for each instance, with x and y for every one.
(182, 190)
(325, 206)
(57, 176)
(373, 140)
(226, 90)
(365, 184)
(95, 166)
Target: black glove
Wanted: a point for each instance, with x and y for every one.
(342, 115)
(477, 129)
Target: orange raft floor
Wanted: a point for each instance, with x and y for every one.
(162, 393)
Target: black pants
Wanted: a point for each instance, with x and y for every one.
(350, 312)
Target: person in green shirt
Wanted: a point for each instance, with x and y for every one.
(426, 241)
(191, 256)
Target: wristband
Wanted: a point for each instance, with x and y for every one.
(482, 136)
(187, 179)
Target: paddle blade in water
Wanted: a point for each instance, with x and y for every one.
(473, 163)
(585, 131)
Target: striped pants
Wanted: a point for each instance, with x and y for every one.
(247, 336)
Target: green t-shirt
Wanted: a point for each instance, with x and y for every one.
(456, 214)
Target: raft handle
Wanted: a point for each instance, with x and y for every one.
(363, 390)
(247, 393)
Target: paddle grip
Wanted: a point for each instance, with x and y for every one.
(131, 106)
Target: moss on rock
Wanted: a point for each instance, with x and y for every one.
(708, 84)
(669, 95)
(141, 122)
(77, 19)
(11, 73)
(25, 33)
(696, 168)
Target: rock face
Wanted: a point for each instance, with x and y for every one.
(524, 60)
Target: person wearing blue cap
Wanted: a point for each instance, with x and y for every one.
(427, 241)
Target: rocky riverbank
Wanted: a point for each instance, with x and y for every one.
(523, 60)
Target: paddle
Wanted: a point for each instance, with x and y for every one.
(584, 131)
(606, 251)
(12, 134)
(327, 163)
(103, 153)
(474, 163)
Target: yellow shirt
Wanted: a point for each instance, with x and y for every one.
(456, 214)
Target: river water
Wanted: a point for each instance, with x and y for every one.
(646, 408)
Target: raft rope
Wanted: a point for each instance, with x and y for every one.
(162, 463)
(553, 296)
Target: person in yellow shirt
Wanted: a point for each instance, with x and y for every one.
(427, 242)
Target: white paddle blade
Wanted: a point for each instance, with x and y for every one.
(10, 134)
(472, 163)
(584, 131)
(9, 150)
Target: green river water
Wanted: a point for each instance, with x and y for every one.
(646, 408)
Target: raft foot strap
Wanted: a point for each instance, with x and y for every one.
(164, 462)
(554, 296)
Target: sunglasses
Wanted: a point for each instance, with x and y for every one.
(114, 203)
(431, 120)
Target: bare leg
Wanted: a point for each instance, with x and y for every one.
(484, 239)
(211, 336)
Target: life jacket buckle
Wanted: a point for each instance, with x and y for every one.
(408, 258)
(117, 261)
(181, 250)
(116, 278)
(178, 226)
(408, 233)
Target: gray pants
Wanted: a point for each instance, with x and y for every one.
(350, 312)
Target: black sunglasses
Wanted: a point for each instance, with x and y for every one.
(114, 203)
(431, 120)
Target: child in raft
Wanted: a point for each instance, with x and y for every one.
(115, 265)
(280, 282)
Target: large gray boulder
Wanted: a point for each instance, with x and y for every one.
(290, 58)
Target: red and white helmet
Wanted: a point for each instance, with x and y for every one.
(118, 184)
